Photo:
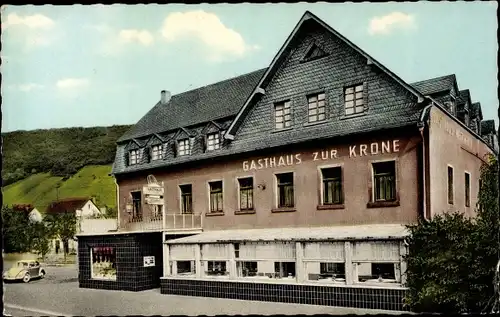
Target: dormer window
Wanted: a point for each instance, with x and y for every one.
(133, 157)
(353, 100)
(213, 141)
(184, 147)
(316, 107)
(157, 152)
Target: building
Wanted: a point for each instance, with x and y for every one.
(90, 219)
(292, 183)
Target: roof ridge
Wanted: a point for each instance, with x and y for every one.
(219, 82)
(433, 78)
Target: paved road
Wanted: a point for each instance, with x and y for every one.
(59, 295)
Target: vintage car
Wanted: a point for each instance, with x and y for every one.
(25, 271)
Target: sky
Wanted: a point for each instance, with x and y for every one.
(101, 65)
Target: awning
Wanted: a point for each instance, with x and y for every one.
(360, 232)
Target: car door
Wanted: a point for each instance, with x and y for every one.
(33, 269)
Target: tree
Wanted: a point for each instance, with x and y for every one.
(451, 260)
(41, 237)
(64, 226)
(15, 230)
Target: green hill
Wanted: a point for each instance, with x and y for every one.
(40, 189)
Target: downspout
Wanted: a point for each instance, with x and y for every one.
(421, 128)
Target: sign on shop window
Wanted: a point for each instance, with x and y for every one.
(149, 261)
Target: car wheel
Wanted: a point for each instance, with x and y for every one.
(26, 278)
(42, 274)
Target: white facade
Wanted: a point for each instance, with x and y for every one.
(35, 215)
(89, 210)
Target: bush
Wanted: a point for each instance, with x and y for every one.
(452, 259)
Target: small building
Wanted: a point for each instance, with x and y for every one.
(292, 183)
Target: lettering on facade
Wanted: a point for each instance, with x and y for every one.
(441, 122)
(375, 148)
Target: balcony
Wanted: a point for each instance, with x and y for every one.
(172, 222)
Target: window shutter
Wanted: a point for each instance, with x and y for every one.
(365, 95)
(127, 161)
(205, 143)
(174, 148)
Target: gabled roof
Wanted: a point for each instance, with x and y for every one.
(435, 85)
(212, 102)
(487, 127)
(68, 205)
(476, 110)
(464, 96)
(275, 64)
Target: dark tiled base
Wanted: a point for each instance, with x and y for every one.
(130, 250)
(386, 299)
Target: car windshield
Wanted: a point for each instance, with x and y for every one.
(22, 264)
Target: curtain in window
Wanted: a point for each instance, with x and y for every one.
(182, 252)
(214, 251)
(376, 251)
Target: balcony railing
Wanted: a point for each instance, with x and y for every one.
(156, 223)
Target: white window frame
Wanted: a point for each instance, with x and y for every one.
(209, 198)
(276, 190)
(238, 198)
(345, 94)
(184, 147)
(136, 155)
(355, 268)
(321, 189)
(287, 104)
(158, 152)
(316, 107)
(216, 141)
(396, 176)
(452, 185)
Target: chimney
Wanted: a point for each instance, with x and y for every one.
(165, 97)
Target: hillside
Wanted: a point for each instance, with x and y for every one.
(41, 188)
(60, 152)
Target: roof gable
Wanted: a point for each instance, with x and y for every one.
(314, 51)
(308, 17)
(436, 85)
(67, 205)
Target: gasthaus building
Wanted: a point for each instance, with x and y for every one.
(292, 183)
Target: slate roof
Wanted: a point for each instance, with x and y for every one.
(67, 205)
(487, 127)
(463, 96)
(375, 231)
(212, 102)
(435, 85)
(476, 110)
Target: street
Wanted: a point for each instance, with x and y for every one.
(59, 295)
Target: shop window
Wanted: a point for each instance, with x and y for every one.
(246, 193)
(186, 268)
(332, 185)
(247, 268)
(335, 271)
(216, 196)
(186, 199)
(103, 263)
(284, 269)
(285, 190)
(384, 181)
(216, 268)
(377, 272)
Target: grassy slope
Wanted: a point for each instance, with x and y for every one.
(40, 189)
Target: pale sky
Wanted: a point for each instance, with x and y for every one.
(68, 66)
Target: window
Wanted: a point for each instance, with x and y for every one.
(335, 271)
(384, 181)
(246, 193)
(450, 185)
(216, 196)
(213, 141)
(314, 52)
(157, 153)
(353, 99)
(377, 272)
(186, 199)
(184, 147)
(186, 268)
(282, 116)
(134, 157)
(236, 250)
(103, 263)
(246, 269)
(332, 185)
(285, 190)
(284, 269)
(136, 205)
(216, 268)
(316, 108)
(467, 190)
